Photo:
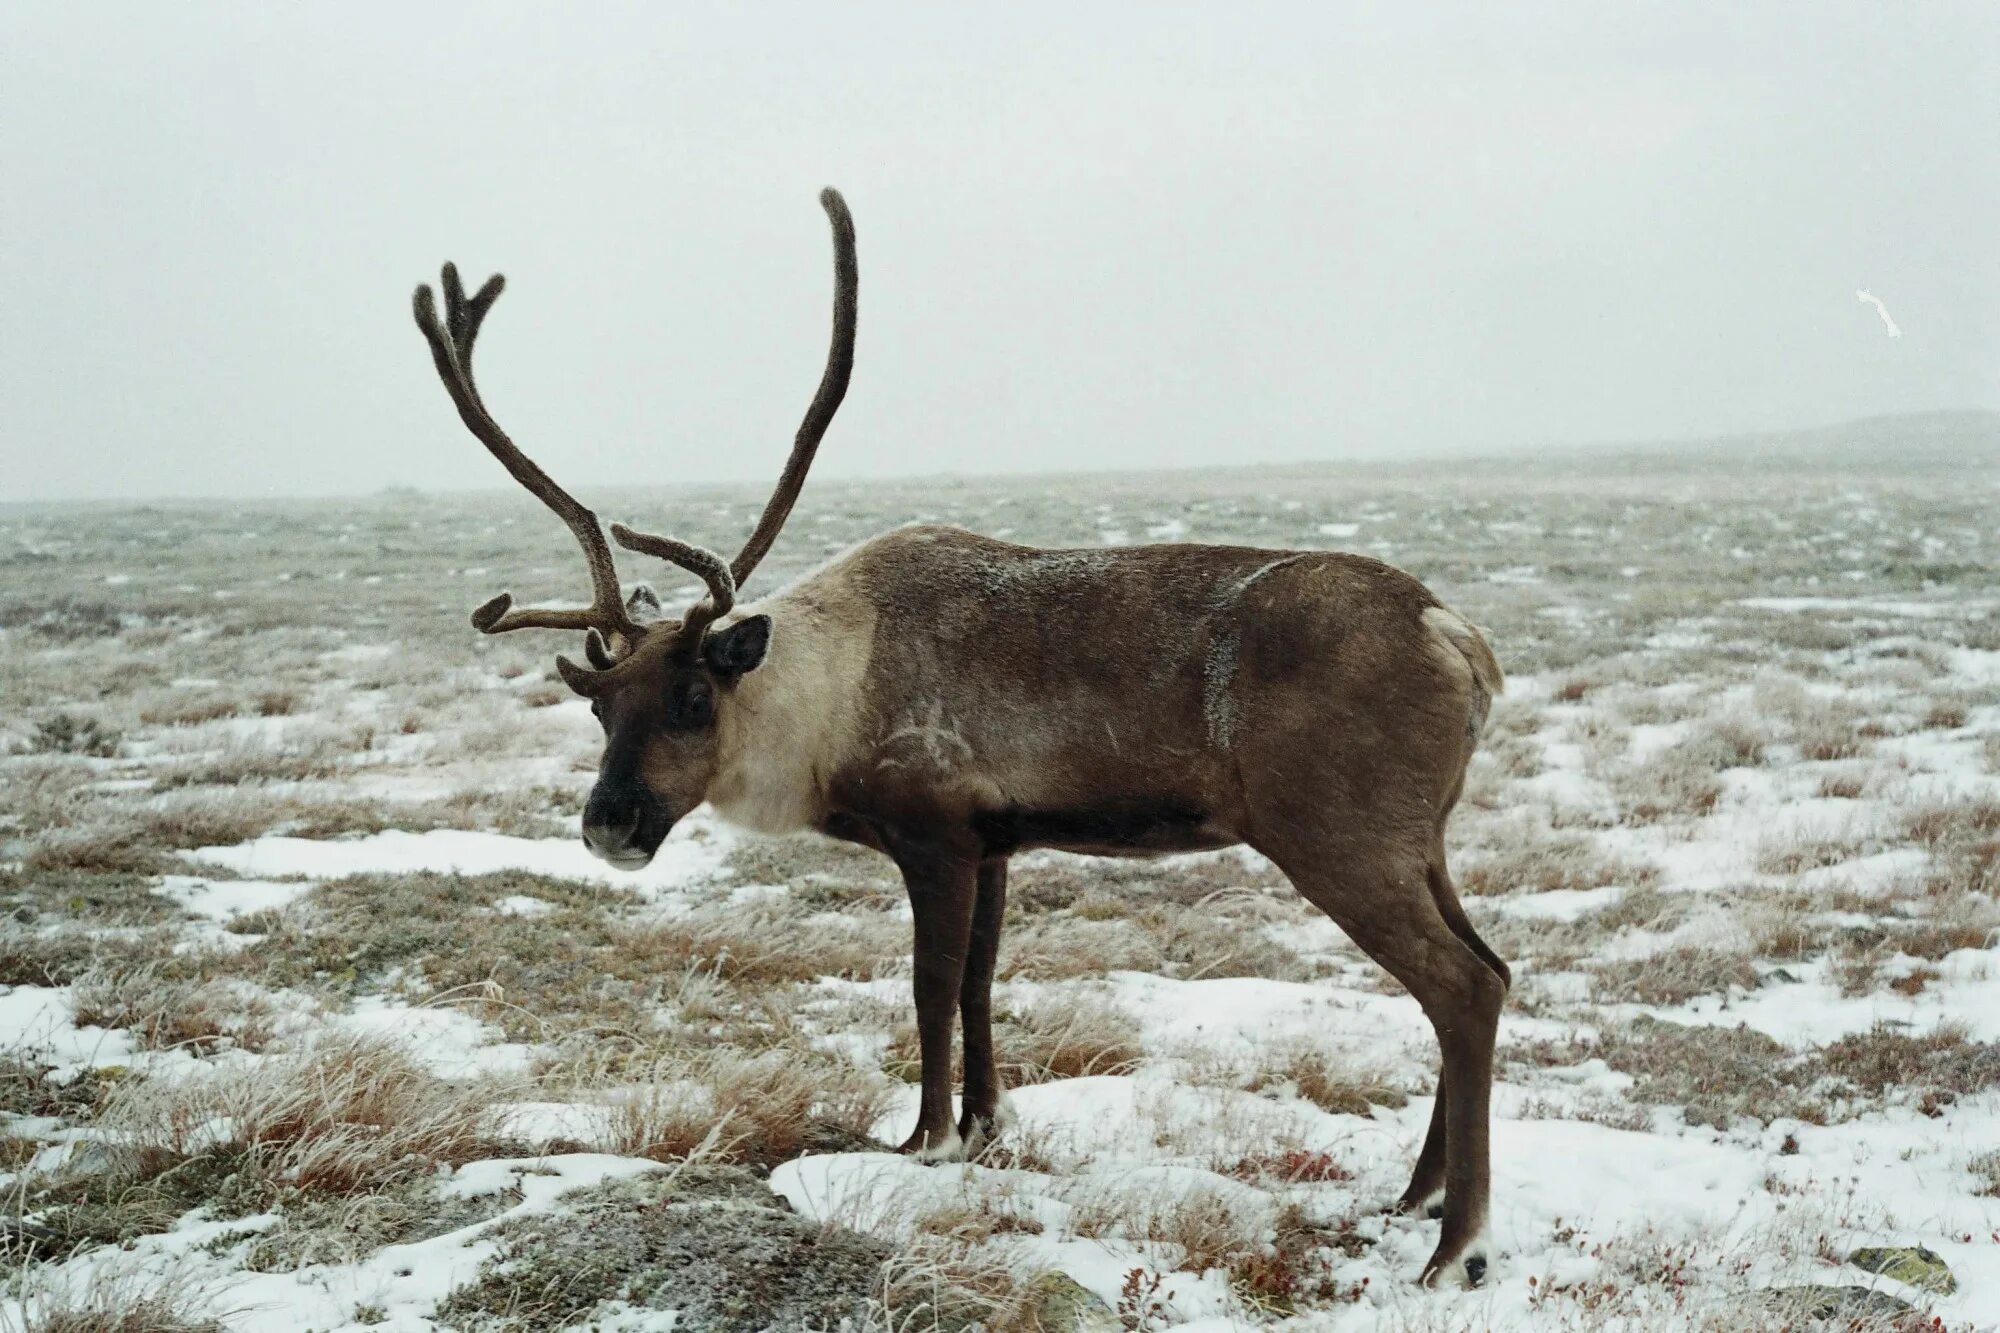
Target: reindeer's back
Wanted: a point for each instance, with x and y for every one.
(1158, 666)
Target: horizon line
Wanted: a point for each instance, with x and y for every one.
(1392, 457)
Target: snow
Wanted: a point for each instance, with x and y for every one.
(1874, 606)
(223, 899)
(1813, 1010)
(1559, 904)
(405, 1282)
(694, 851)
(447, 1041)
(1246, 1013)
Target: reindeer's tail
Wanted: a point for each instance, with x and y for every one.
(1487, 678)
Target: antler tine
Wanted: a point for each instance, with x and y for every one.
(451, 350)
(703, 563)
(832, 388)
(463, 317)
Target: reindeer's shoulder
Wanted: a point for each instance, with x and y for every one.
(933, 541)
(933, 555)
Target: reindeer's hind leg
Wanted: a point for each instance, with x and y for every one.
(1383, 899)
(1425, 1194)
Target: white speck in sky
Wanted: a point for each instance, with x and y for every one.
(1869, 298)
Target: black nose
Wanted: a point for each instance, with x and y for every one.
(615, 823)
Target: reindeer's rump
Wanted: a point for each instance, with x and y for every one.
(1141, 681)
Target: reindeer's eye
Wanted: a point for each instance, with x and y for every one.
(690, 704)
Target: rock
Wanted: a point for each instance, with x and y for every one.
(1913, 1264)
(823, 1136)
(709, 1242)
(1828, 1302)
(1064, 1305)
(19, 1232)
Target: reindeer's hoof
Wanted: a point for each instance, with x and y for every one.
(932, 1147)
(1429, 1205)
(978, 1131)
(1465, 1272)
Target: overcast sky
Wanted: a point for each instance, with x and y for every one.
(1106, 235)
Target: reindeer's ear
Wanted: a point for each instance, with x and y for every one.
(643, 605)
(740, 648)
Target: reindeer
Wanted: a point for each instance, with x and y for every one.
(949, 700)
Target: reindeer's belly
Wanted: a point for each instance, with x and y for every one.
(1112, 829)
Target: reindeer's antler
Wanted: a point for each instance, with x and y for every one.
(697, 560)
(607, 615)
(832, 388)
(451, 349)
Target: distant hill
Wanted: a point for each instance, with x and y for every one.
(1917, 441)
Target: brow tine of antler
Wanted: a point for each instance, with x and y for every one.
(832, 388)
(451, 350)
(703, 563)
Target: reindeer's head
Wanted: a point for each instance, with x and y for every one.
(660, 687)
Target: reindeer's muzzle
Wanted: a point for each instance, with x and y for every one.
(623, 825)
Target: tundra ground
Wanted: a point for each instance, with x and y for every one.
(316, 1015)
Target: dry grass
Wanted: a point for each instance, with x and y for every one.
(1056, 1037)
(1684, 781)
(1715, 1075)
(1191, 932)
(1065, 1037)
(1672, 976)
(1794, 853)
(162, 1011)
(140, 836)
(1531, 859)
(1963, 920)
(1928, 1070)
(804, 861)
(1321, 1077)
(1209, 1225)
(1986, 1169)
(343, 1116)
(314, 1228)
(952, 1281)
(767, 946)
(113, 1300)
(1831, 734)
(1230, 933)
(1667, 787)
(1945, 715)
(1063, 948)
(756, 1109)
(584, 970)
(56, 955)
(27, 1088)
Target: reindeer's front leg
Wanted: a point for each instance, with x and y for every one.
(979, 1111)
(943, 887)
